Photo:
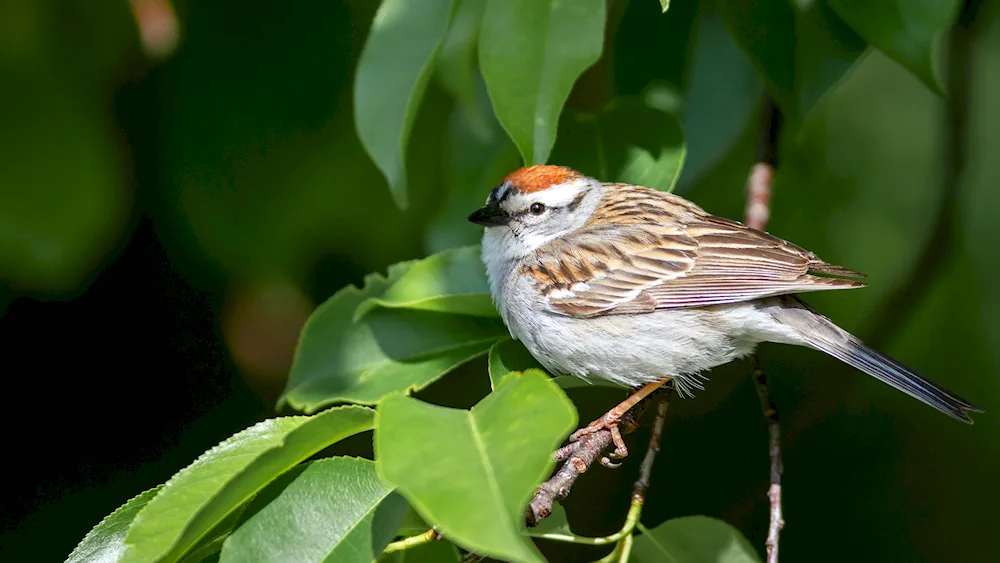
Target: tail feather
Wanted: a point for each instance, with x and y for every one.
(819, 332)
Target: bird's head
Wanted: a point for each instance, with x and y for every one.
(535, 205)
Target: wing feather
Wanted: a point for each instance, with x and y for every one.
(630, 259)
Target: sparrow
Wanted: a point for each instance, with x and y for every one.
(642, 287)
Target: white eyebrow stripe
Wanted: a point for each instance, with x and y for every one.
(561, 195)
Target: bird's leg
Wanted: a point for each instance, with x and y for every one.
(611, 418)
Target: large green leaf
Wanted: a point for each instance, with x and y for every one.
(693, 539)
(903, 29)
(336, 510)
(456, 62)
(802, 49)
(470, 473)
(392, 74)
(452, 281)
(530, 53)
(389, 350)
(106, 542)
(203, 494)
(628, 141)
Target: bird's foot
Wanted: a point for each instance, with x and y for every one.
(607, 422)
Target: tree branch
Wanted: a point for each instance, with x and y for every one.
(578, 457)
(758, 212)
(646, 469)
(770, 411)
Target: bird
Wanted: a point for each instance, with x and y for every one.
(642, 287)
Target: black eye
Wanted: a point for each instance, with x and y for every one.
(537, 209)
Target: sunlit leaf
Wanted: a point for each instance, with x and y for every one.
(392, 74)
(492, 457)
(335, 510)
(452, 281)
(628, 141)
(693, 539)
(106, 542)
(389, 350)
(530, 53)
(665, 5)
(203, 494)
(903, 30)
(507, 356)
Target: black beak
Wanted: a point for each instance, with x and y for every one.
(490, 215)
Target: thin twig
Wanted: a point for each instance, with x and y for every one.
(578, 457)
(777, 521)
(642, 483)
(758, 212)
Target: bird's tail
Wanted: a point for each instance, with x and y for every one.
(820, 333)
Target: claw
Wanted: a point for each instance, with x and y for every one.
(608, 463)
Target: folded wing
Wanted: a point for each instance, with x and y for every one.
(678, 257)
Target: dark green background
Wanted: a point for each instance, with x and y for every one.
(144, 205)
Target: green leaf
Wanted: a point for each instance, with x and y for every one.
(693, 539)
(456, 62)
(905, 30)
(203, 494)
(827, 49)
(665, 5)
(722, 94)
(336, 510)
(106, 542)
(507, 356)
(766, 31)
(452, 281)
(628, 141)
(390, 350)
(392, 74)
(803, 50)
(530, 53)
(470, 473)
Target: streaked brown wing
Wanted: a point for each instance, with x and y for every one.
(683, 257)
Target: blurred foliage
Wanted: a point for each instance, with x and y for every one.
(271, 148)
